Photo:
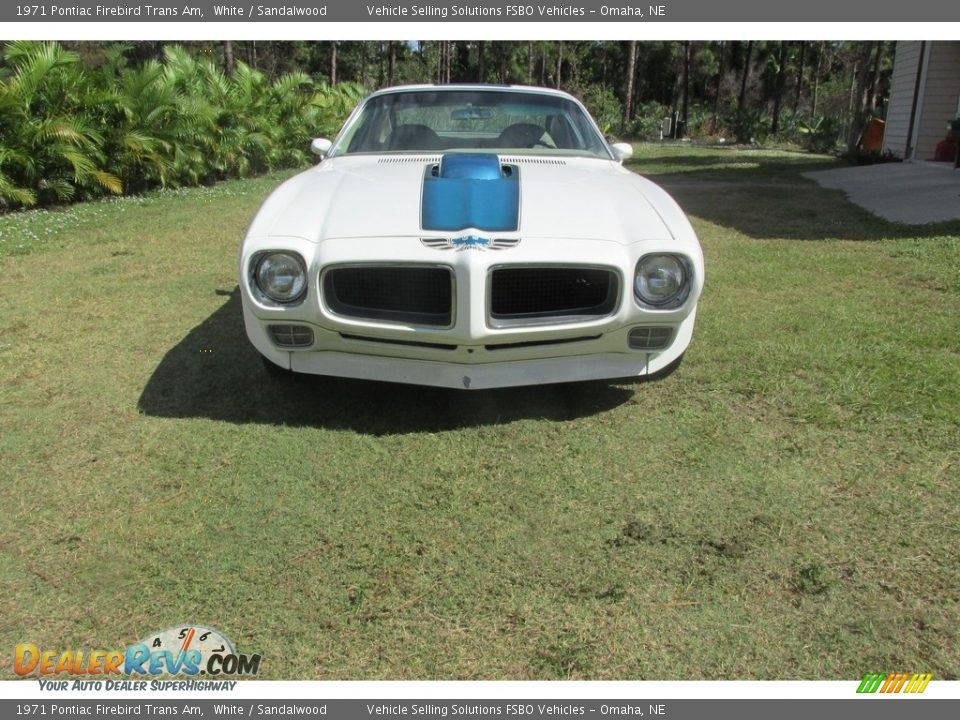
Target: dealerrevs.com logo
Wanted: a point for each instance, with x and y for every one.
(190, 650)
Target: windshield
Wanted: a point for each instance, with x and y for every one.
(432, 120)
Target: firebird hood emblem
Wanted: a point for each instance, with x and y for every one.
(470, 242)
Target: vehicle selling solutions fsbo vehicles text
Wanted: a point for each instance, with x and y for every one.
(442, 11)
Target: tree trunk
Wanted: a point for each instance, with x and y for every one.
(441, 56)
(852, 90)
(530, 62)
(686, 85)
(481, 61)
(816, 80)
(742, 102)
(628, 88)
(333, 63)
(858, 110)
(392, 67)
(603, 65)
(462, 54)
(716, 98)
(364, 74)
(559, 62)
(228, 56)
(796, 97)
(781, 81)
(572, 67)
(381, 55)
(875, 77)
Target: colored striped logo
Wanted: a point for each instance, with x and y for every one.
(894, 682)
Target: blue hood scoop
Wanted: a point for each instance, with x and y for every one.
(470, 190)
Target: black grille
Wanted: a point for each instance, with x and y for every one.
(420, 295)
(528, 294)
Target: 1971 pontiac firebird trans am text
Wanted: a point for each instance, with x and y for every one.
(470, 237)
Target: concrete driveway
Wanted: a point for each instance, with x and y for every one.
(915, 193)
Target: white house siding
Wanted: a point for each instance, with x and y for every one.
(940, 94)
(937, 98)
(902, 83)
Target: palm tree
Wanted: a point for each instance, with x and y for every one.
(50, 150)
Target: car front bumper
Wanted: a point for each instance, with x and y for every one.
(470, 353)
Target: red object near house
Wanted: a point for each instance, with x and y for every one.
(872, 140)
(946, 150)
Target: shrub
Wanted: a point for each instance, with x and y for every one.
(603, 106)
(750, 125)
(821, 134)
(71, 132)
(51, 149)
(647, 121)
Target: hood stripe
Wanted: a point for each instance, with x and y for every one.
(471, 191)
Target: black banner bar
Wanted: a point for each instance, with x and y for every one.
(478, 11)
(865, 708)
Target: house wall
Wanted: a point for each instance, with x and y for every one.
(902, 84)
(937, 98)
(940, 94)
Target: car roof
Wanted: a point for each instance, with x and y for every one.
(462, 87)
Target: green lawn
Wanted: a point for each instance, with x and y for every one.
(784, 506)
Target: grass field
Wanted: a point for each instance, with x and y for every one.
(784, 506)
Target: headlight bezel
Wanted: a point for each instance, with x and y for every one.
(673, 301)
(264, 295)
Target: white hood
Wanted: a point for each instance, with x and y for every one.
(380, 196)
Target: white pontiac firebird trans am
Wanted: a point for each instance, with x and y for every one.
(470, 237)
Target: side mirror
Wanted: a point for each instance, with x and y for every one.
(622, 151)
(320, 146)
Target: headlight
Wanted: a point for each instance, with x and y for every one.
(281, 276)
(661, 281)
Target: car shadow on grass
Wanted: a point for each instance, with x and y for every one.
(215, 373)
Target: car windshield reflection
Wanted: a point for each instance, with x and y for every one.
(442, 120)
